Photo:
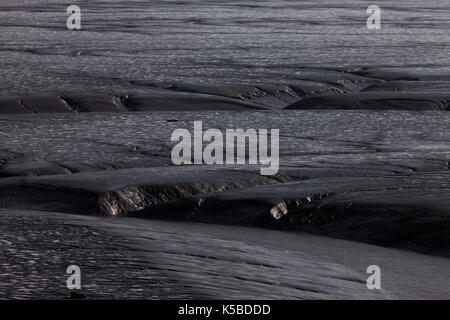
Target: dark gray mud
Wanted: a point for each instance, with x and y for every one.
(85, 125)
(134, 260)
(347, 91)
(374, 177)
(212, 55)
(141, 259)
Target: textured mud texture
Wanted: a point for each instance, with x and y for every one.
(380, 178)
(365, 93)
(154, 261)
(213, 55)
(85, 125)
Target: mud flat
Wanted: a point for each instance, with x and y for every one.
(125, 45)
(223, 56)
(380, 178)
(133, 258)
(86, 175)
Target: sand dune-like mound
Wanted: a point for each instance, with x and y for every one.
(390, 211)
(402, 211)
(119, 192)
(168, 97)
(412, 101)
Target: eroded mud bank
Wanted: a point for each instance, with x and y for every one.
(333, 89)
(380, 178)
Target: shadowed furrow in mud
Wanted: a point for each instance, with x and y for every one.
(378, 177)
(119, 192)
(347, 92)
(333, 88)
(377, 101)
(402, 211)
(393, 211)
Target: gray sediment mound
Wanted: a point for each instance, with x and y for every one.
(261, 95)
(377, 177)
(166, 97)
(411, 101)
(390, 211)
(401, 211)
(112, 103)
(119, 192)
(374, 88)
